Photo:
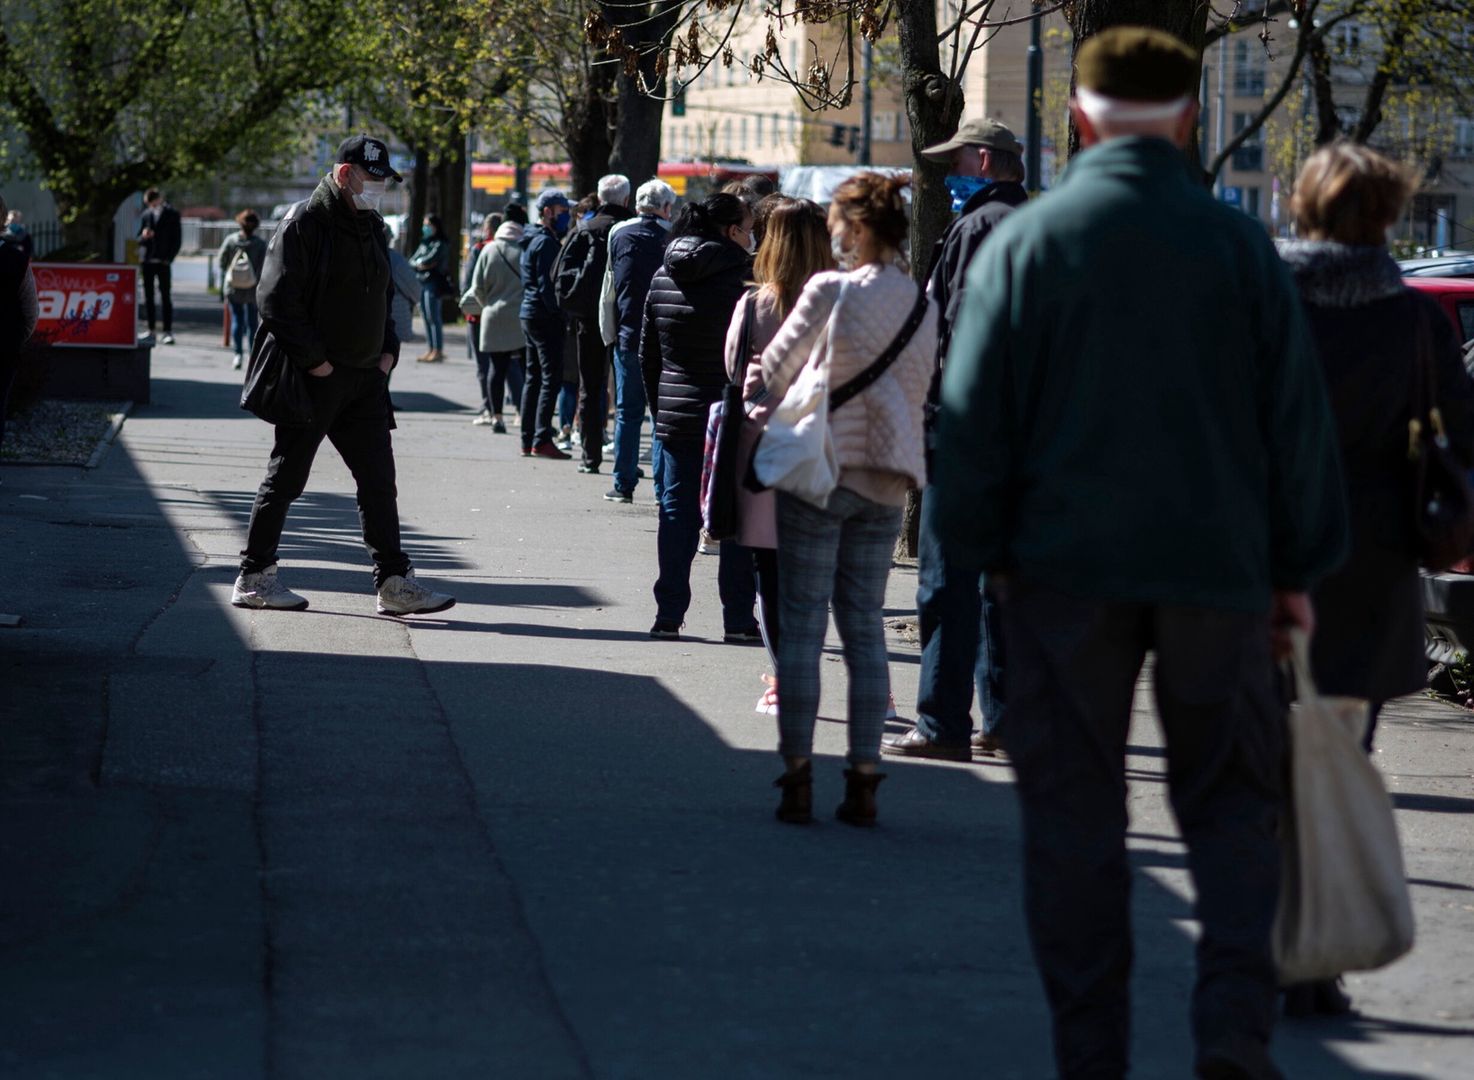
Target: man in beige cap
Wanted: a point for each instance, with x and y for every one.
(1136, 447)
(961, 643)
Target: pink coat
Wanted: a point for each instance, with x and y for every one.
(757, 514)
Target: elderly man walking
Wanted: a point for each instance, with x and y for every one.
(1135, 446)
(325, 301)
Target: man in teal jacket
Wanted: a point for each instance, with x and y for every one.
(1135, 444)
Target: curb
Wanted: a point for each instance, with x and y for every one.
(111, 435)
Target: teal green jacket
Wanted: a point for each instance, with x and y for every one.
(1131, 408)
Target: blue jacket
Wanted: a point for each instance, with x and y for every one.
(540, 249)
(635, 253)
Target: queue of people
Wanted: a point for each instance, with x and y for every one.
(1106, 475)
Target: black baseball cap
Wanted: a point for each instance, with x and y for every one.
(369, 154)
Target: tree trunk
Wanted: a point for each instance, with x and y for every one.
(450, 202)
(589, 129)
(639, 115)
(934, 113)
(87, 227)
(419, 202)
(1184, 19)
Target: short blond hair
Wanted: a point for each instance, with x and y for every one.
(1350, 194)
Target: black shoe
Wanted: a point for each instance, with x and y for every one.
(498, 427)
(914, 744)
(743, 637)
(615, 495)
(1323, 997)
(640, 474)
(858, 807)
(589, 470)
(666, 630)
(1236, 1058)
(797, 805)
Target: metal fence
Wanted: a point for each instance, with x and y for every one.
(202, 237)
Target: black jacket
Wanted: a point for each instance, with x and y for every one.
(580, 272)
(13, 267)
(326, 291)
(165, 243)
(540, 247)
(1369, 639)
(635, 253)
(684, 338)
(960, 243)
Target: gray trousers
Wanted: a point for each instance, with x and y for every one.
(1072, 670)
(838, 556)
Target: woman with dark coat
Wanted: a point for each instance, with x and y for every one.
(682, 360)
(431, 261)
(1371, 332)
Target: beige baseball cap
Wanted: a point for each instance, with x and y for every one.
(979, 132)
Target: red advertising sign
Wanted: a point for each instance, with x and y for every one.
(87, 304)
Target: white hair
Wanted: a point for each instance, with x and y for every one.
(654, 195)
(614, 190)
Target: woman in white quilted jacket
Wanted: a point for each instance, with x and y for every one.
(839, 555)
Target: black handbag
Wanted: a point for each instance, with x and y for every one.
(276, 389)
(721, 503)
(1443, 503)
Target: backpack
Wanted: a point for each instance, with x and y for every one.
(242, 275)
(578, 275)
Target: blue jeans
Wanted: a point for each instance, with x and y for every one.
(629, 399)
(677, 469)
(430, 309)
(836, 557)
(961, 643)
(243, 318)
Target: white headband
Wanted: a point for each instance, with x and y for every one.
(1102, 109)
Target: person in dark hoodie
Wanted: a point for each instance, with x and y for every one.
(682, 359)
(961, 643)
(542, 323)
(325, 297)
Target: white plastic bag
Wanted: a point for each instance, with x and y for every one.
(1344, 903)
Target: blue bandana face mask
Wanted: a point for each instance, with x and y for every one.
(560, 223)
(964, 188)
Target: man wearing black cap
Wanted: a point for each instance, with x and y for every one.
(1135, 446)
(960, 638)
(326, 297)
(543, 323)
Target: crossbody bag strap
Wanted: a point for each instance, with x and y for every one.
(863, 381)
(744, 338)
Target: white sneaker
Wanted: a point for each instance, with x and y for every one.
(265, 591)
(406, 596)
(167, 339)
(482, 418)
(239, 360)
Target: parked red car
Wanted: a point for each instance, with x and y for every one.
(1454, 295)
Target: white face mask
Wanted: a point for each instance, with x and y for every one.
(843, 256)
(371, 195)
(751, 244)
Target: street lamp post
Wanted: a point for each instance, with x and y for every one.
(867, 103)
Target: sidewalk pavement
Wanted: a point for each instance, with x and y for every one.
(521, 839)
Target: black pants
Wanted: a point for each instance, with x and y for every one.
(543, 379)
(1073, 666)
(352, 407)
(163, 274)
(593, 388)
(9, 366)
(492, 369)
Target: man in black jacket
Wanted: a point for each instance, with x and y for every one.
(960, 640)
(542, 323)
(159, 238)
(326, 301)
(585, 256)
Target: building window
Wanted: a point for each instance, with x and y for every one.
(1463, 137)
(742, 134)
(1248, 69)
(757, 135)
(1250, 156)
(1348, 39)
(727, 137)
(1251, 203)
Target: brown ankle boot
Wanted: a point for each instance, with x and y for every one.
(858, 807)
(797, 807)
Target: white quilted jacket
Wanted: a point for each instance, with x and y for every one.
(881, 430)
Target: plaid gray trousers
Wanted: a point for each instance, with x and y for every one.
(838, 556)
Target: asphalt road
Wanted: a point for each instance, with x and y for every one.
(521, 839)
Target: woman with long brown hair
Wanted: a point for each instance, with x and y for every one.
(794, 248)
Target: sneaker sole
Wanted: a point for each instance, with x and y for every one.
(248, 606)
(626, 502)
(418, 611)
(933, 753)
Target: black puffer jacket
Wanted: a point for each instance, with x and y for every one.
(690, 303)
